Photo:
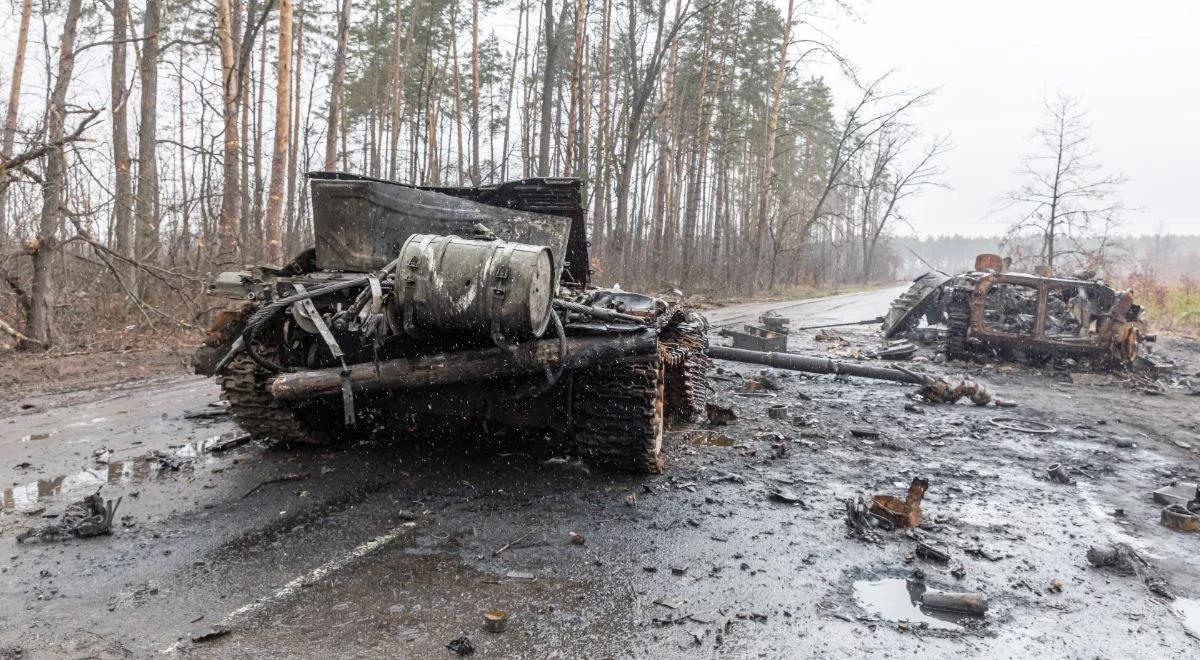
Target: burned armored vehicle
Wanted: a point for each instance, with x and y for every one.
(992, 312)
(453, 308)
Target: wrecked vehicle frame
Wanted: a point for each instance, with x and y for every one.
(1017, 315)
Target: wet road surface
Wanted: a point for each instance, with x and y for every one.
(396, 549)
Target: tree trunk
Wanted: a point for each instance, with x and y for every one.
(512, 83)
(768, 169)
(576, 92)
(335, 87)
(547, 100)
(40, 322)
(184, 238)
(122, 165)
(230, 222)
(283, 122)
(146, 205)
(603, 141)
(475, 92)
(14, 102)
(289, 215)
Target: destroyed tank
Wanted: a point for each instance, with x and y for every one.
(449, 309)
(989, 311)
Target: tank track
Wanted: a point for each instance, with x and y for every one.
(958, 323)
(244, 386)
(617, 416)
(683, 346)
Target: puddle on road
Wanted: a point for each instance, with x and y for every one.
(28, 497)
(1188, 611)
(711, 439)
(893, 599)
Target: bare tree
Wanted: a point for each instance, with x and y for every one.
(40, 322)
(283, 122)
(229, 225)
(335, 86)
(887, 182)
(14, 102)
(1066, 201)
(122, 163)
(146, 204)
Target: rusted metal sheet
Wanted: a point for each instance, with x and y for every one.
(902, 512)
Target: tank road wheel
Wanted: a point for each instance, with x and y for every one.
(683, 349)
(244, 385)
(617, 416)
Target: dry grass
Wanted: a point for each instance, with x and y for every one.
(1170, 306)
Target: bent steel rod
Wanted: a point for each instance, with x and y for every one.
(812, 365)
(466, 366)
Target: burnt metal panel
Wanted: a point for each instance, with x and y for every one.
(1116, 336)
(373, 203)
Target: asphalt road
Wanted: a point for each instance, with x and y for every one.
(395, 550)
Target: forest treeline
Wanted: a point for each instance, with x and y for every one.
(149, 144)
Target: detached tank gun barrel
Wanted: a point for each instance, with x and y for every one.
(813, 365)
(467, 366)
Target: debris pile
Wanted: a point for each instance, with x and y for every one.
(91, 516)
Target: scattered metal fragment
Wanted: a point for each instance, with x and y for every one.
(1179, 518)
(968, 603)
(294, 476)
(785, 495)
(1021, 425)
(896, 350)
(1058, 472)
(927, 551)
(208, 633)
(902, 513)
(508, 545)
(765, 380)
(461, 646)
(229, 440)
(719, 415)
(771, 320)
(779, 411)
(91, 516)
(941, 390)
(1180, 492)
(520, 576)
(731, 477)
(169, 461)
(495, 621)
(754, 338)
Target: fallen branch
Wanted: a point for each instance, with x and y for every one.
(16, 334)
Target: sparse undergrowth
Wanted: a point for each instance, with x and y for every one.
(1171, 306)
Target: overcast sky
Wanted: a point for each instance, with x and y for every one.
(1134, 65)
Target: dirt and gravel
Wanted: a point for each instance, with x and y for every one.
(396, 548)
